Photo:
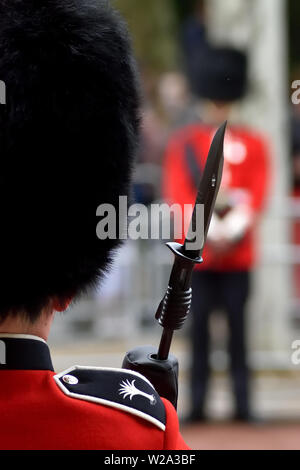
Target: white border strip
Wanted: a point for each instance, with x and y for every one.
(101, 401)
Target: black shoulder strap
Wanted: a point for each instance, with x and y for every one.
(118, 388)
(195, 171)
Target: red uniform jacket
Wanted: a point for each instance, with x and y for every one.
(82, 408)
(245, 180)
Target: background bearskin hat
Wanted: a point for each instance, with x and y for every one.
(220, 73)
(68, 135)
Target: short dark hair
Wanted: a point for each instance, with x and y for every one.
(68, 136)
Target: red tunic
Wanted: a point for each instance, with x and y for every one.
(246, 179)
(37, 415)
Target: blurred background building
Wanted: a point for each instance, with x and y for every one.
(121, 315)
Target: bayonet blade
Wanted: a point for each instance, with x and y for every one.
(207, 195)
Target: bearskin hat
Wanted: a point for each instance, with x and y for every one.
(220, 74)
(68, 136)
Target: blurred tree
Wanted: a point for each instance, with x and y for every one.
(154, 29)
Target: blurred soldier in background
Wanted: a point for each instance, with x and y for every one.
(223, 281)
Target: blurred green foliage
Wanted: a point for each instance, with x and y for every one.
(153, 25)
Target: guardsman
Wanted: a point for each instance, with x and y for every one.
(223, 281)
(68, 136)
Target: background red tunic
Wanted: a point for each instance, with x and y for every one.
(246, 179)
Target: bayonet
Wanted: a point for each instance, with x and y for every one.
(161, 368)
(176, 304)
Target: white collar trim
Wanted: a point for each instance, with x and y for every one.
(21, 336)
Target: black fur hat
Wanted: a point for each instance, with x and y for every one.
(68, 135)
(220, 74)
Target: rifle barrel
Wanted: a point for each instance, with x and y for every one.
(165, 344)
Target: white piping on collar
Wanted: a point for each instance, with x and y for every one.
(21, 336)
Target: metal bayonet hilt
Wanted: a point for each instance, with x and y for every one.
(176, 304)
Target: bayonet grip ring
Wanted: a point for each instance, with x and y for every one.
(175, 308)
